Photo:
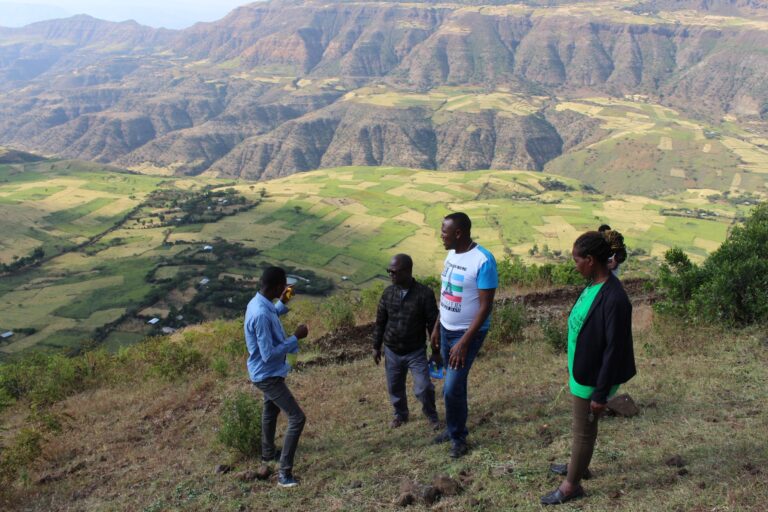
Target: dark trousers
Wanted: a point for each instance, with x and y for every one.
(584, 436)
(397, 367)
(277, 397)
(455, 387)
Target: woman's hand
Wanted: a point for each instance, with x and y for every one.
(597, 408)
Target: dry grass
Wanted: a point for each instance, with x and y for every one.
(144, 444)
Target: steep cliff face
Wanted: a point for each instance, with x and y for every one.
(262, 92)
(354, 134)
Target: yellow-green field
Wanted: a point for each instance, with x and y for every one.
(343, 224)
(449, 99)
(650, 148)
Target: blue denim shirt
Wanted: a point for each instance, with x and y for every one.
(266, 340)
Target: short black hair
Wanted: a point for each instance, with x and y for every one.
(405, 260)
(603, 228)
(461, 220)
(272, 276)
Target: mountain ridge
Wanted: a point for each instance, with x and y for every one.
(197, 100)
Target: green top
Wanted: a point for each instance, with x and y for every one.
(575, 323)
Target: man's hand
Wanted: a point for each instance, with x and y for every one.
(434, 340)
(458, 355)
(286, 295)
(301, 331)
(436, 357)
(376, 355)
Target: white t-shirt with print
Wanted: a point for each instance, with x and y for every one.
(463, 275)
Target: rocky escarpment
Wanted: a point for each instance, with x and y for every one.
(261, 93)
(353, 134)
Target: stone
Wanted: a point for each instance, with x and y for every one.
(222, 469)
(675, 461)
(247, 476)
(405, 499)
(407, 486)
(446, 485)
(430, 494)
(263, 472)
(623, 405)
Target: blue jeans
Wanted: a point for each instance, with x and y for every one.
(455, 386)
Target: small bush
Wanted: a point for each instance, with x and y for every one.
(555, 334)
(172, 360)
(220, 366)
(338, 312)
(513, 271)
(508, 324)
(241, 424)
(369, 301)
(24, 449)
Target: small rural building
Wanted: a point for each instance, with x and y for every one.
(168, 330)
(204, 281)
(153, 321)
(207, 248)
(6, 335)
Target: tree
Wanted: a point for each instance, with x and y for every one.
(731, 286)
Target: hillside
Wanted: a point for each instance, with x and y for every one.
(138, 431)
(281, 87)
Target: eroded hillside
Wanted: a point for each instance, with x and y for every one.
(285, 86)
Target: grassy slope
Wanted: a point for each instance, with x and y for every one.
(142, 444)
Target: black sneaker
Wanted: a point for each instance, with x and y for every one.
(441, 438)
(459, 450)
(285, 479)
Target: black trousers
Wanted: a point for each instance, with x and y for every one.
(277, 397)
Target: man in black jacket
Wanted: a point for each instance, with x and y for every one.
(406, 314)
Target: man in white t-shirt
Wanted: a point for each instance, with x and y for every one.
(469, 282)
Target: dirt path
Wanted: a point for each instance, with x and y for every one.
(346, 345)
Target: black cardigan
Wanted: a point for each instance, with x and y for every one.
(604, 355)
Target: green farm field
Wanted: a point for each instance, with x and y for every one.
(342, 224)
(650, 148)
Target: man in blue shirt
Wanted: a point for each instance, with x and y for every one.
(267, 366)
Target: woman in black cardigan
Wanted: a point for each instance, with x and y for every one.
(600, 354)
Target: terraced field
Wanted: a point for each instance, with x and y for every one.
(343, 224)
(651, 148)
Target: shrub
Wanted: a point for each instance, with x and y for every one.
(220, 366)
(433, 282)
(509, 320)
(369, 301)
(731, 286)
(555, 334)
(172, 360)
(241, 424)
(338, 312)
(24, 449)
(513, 271)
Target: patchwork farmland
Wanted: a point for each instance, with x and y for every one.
(109, 259)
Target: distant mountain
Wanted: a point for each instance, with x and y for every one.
(286, 86)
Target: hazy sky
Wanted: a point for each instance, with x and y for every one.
(160, 13)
